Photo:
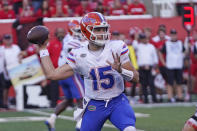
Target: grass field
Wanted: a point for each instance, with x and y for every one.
(160, 119)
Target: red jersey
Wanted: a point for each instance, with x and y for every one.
(7, 15)
(31, 50)
(117, 11)
(194, 51)
(158, 45)
(108, 3)
(80, 11)
(193, 58)
(26, 13)
(73, 4)
(53, 2)
(53, 11)
(139, 9)
(40, 13)
(15, 1)
(54, 47)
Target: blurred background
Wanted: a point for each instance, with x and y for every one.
(167, 93)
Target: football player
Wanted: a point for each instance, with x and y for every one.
(104, 65)
(191, 123)
(73, 87)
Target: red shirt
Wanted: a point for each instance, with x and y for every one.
(158, 45)
(53, 11)
(117, 11)
(7, 15)
(40, 13)
(136, 9)
(54, 47)
(73, 4)
(31, 50)
(80, 11)
(15, 1)
(192, 56)
(53, 2)
(194, 60)
(108, 3)
(26, 13)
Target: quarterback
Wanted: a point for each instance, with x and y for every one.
(103, 64)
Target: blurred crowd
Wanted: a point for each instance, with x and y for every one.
(164, 63)
(10, 9)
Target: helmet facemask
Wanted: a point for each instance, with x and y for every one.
(99, 38)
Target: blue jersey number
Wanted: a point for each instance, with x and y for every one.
(101, 78)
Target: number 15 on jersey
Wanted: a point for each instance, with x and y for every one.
(102, 78)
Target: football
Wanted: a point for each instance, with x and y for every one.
(38, 34)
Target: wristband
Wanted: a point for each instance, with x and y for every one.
(127, 74)
(44, 53)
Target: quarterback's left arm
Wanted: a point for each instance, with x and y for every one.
(127, 70)
(123, 65)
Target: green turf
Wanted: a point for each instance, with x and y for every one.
(164, 119)
(161, 119)
(14, 114)
(62, 125)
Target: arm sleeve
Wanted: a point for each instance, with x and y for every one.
(71, 61)
(124, 53)
(62, 59)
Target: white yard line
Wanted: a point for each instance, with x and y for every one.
(71, 118)
(22, 119)
(141, 115)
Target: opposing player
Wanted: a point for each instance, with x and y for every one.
(104, 65)
(73, 87)
(191, 123)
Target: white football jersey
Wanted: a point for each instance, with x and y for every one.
(101, 81)
(69, 43)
